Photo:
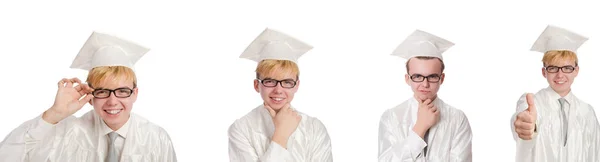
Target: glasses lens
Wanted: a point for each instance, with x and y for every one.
(288, 83)
(568, 69)
(269, 83)
(123, 92)
(552, 69)
(417, 78)
(101, 93)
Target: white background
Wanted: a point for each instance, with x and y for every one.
(193, 84)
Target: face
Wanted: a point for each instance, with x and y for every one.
(560, 81)
(276, 97)
(114, 110)
(421, 69)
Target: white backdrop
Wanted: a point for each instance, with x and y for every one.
(193, 84)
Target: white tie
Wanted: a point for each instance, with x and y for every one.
(565, 122)
(112, 151)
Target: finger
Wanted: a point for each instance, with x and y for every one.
(286, 107)
(524, 132)
(85, 100)
(75, 81)
(523, 125)
(69, 83)
(525, 137)
(433, 109)
(83, 89)
(427, 102)
(62, 82)
(271, 111)
(421, 99)
(526, 118)
(530, 103)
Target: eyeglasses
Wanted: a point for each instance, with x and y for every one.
(433, 78)
(288, 83)
(564, 69)
(119, 92)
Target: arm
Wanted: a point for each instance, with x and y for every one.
(240, 149)
(393, 146)
(524, 148)
(30, 141)
(320, 143)
(461, 144)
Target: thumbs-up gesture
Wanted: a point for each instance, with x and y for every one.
(427, 116)
(525, 123)
(286, 121)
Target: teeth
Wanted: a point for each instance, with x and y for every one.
(277, 99)
(113, 111)
(560, 82)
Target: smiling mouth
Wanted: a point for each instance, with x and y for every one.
(113, 112)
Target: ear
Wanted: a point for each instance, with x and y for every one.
(135, 94)
(442, 78)
(256, 85)
(544, 72)
(576, 71)
(407, 79)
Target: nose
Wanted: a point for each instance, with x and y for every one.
(560, 74)
(426, 83)
(112, 100)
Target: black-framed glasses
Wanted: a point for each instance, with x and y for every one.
(564, 69)
(287, 83)
(119, 92)
(433, 78)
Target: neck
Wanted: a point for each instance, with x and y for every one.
(563, 94)
(115, 127)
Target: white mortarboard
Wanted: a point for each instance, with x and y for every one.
(421, 43)
(272, 44)
(102, 49)
(556, 38)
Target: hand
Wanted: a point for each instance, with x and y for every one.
(286, 121)
(525, 123)
(427, 116)
(68, 100)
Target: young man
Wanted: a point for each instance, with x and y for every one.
(424, 128)
(110, 132)
(553, 124)
(275, 131)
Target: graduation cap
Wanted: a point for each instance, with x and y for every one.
(421, 43)
(102, 49)
(272, 44)
(556, 38)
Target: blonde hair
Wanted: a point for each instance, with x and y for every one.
(100, 74)
(555, 56)
(268, 66)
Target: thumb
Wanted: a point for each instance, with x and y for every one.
(271, 111)
(85, 100)
(530, 103)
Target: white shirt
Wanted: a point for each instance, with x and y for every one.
(250, 140)
(119, 141)
(448, 140)
(583, 134)
(84, 139)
